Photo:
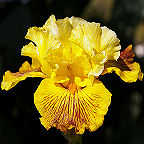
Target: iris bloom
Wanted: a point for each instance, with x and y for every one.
(70, 54)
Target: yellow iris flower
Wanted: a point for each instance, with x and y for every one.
(70, 54)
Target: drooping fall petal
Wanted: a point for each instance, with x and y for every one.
(128, 70)
(11, 79)
(69, 107)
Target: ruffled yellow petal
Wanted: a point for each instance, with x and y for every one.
(97, 63)
(100, 43)
(71, 51)
(44, 40)
(45, 43)
(83, 82)
(66, 53)
(51, 25)
(59, 79)
(81, 66)
(124, 67)
(70, 107)
(109, 43)
(11, 79)
(64, 27)
(127, 75)
(75, 21)
(31, 51)
(60, 28)
(87, 36)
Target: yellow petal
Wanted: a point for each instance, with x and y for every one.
(97, 63)
(83, 82)
(61, 108)
(61, 28)
(64, 27)
(59, 79)
(51, 25)
(128, 70)
(43, 39)
(75, 21)
(96, 69)
(31, 51)
(45, 42)
(11, 79)
(128, 75)
(35, 34)
(71, 51)
(87, 36)
(94, 101)
(109, 43)
(81, 66)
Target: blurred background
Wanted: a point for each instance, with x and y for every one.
(19, 119)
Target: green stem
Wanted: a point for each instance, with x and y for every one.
(72, 137)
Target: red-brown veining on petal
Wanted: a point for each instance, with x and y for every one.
(127, 55)
(19, 74)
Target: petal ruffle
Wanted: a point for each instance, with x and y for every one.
(60, 28)
(87, 36)
(75, 21)
(124, 67)
(110, 44)
(127, 75)
(45, 43)
(11, 79)
(61, 108)
(31, 51)
(97, 64)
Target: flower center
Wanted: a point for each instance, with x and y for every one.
(72, 87)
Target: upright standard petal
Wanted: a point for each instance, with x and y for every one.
(45, 43)
(60, 28)
(75, 21)
(11, 79)
(87, 36)
(110, 44)
(71, 106)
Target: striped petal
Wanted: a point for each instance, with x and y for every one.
(71, 106)
(124, 67)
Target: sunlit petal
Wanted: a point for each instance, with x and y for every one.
(11, 79)
(65, 108)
